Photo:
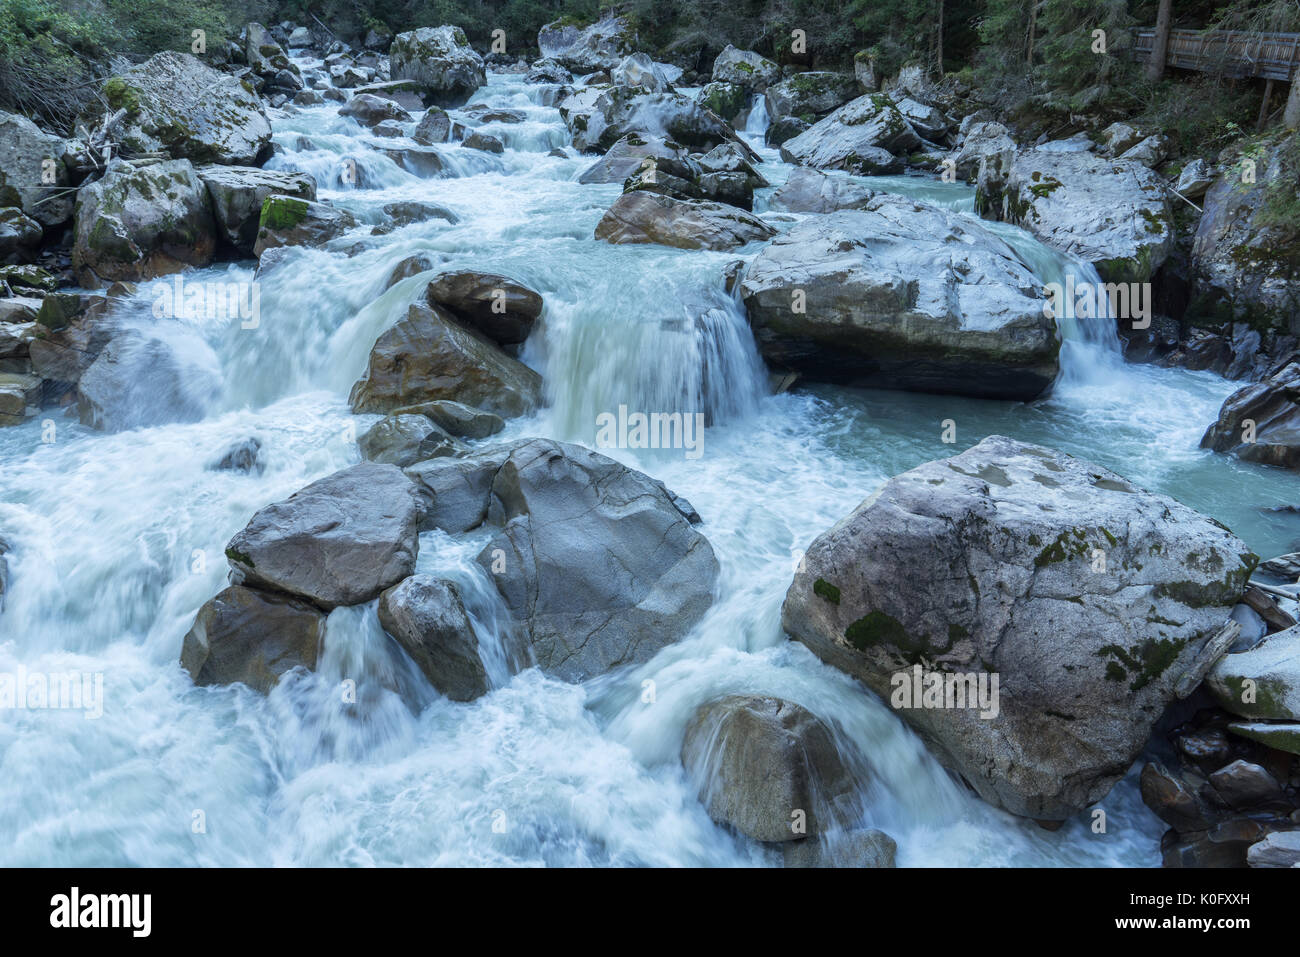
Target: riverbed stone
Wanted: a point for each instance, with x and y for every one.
(766, 767)
(1004, 541)
(596, 565)
(237, 194)
(1262, 682)
(812, 191)
(1261, 422)
(252, 637)
(441, 60)
(290, 221)
(427, 617)
(429, 355)
(864, 136)
(341, 540)
(900, 294)
(643, 217)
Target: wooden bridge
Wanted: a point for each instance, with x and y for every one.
(1231, 53)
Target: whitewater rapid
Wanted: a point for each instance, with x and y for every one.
(117, 539)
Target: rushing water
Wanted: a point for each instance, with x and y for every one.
(117, 540)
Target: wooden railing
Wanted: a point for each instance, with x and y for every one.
(1272, 56)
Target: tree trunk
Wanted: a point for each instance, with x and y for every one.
(1291, 118)
(938, 43)
(1033, 24)
(1160, 48)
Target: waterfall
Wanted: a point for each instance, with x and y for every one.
(757, 122)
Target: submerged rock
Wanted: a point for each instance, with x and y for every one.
(1090, 601)
(138, 381)
(427, 618)
(865, 848)
(340, 541)
(248, 636)
(596, 565)
(766, 767)
(903, 295)
(428, 355)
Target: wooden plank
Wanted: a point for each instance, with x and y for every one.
(1232, 53)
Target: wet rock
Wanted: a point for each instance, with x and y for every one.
(423, 161)
(455, 493)
(434, 127)
(237, 194)
(599, 118)
(1244, 785)
(483, 141)
(288, 221)
(1261, 422)
(458, 419)
(1278, 735)
(20, 395)
(370, 110)
(426, 616)
(340, 541)
(20, 235)
(641, 217)
(595, 564)
(141, 223)
(1003, 539)
(428, 355)
(600, 46)
(405, 213)
(1225, 844)
(410, 266)
(1263, 682)
(242, 456)
(441, 60)
(179, 104)
(495, 306)
(865, 848)
(1173, 801)
(766, 767)
(33, 171)
(139, 381)
(812, 191)
(745, 68)
(1114, 214)
(252, 637)
(864, 136)
(1280, 849)
(403, 440)
(877, 297)
(626, 156)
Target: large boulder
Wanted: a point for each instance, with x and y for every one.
(237, 194)
(638, 70)
(1114, 214)
(810, 95)
(600, 118)
(290, 221)
(427, 618)
(1243, 253)
(20, 235)
(138, 223)
(627, 156)
(586, 49)
(1263, 681)
(745, 68)
(248, 636)
(403, 439)
(176, 103)
(441, 60)
(495, 306)
(644, 217)
(1044, 610)
(766, 767)
(812, 191)
(33, 171)
(428, 355)
(1261, 422)
(902, 295)
(370, 110)
(595, 563)
(863, 136)
(340, 541)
